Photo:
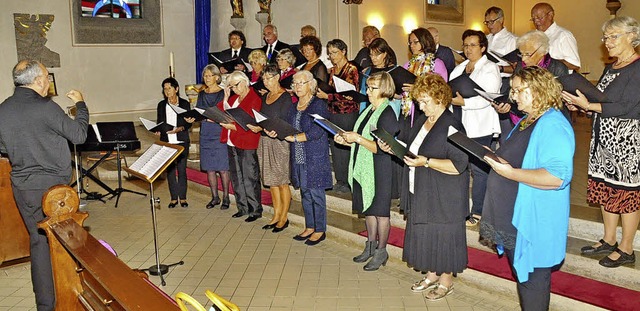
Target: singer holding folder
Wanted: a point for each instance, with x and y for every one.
(179, 135)
(370, 169)
(615, 144)
(526, 211)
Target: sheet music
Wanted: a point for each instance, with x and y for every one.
(148, 124)
(500, 58)
(259, 116)
(152, 160)
(342, 85)
(177, 109)
(95, 130)
(247, 65)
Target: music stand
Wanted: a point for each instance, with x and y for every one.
(81, 172)
(119, 133)
(148, 167)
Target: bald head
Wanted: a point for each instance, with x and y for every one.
(435, 34)
(542, 15)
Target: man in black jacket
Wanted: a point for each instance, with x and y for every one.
(34, 133)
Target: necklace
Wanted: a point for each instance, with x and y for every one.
(619, 62)
(528, 121)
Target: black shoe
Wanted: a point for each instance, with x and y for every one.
(213, 203)
(184, 203)
(238, 214)
(173, 204)
(312, 243)
(622, 260)
(604, 248)
(269, 226)
(301, 238)
(225, 203)
(253, 218)
(278, 229)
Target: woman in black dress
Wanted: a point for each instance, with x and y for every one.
(311, 48)
(178, 135)
(435, 191)
(369, 169)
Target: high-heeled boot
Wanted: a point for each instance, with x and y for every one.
(380, 257)
(369, 247)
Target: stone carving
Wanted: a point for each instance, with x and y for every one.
(265, 7)
(31, 36)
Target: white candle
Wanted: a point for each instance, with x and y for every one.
(172, 68)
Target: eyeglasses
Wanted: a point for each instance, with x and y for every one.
(522, 55)
(414, 42)
(517, 90)
(612, 37)
(539, 18)
(472, 45)
(372, 88)
(299, 83)
(233, 86)
(265, 77)
(491, 22)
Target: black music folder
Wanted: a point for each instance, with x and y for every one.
(117, 131)
(214, 114)
(259, 86)
(576, 81)
(195, 113)
(281, 127)
(241, 117)
(325, 87)
(495, 98)
(504, 60)
(327, 125)
(464, 85)
(399, 149)
(470, 146)
(153, 127)
(347, 89)
(229, 65)
(400, 77)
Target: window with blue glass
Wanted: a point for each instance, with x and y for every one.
(111, 8)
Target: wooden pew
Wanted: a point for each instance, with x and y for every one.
(14, 238)
(87, 276)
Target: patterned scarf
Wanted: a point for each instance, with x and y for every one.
(418, 65)
(362, 170)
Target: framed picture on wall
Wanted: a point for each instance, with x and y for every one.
(53, 90)
(444, 11)
(116, 22)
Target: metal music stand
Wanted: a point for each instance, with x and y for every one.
(148, 167)
(119, 133)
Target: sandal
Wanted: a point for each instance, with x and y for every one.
(423, 285)
(439, 292)
(472, 221)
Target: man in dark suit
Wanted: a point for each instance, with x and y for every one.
(238, 48)
(444, 53)
(273, 45)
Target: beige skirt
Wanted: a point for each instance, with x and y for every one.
(273, 156)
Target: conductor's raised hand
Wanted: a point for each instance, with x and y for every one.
(75, 96)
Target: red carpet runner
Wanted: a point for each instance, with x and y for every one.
(562, 283)
(201, 178)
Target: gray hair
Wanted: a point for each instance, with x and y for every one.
(626, 24)
(214, 71)
(287, 55)
(25, 72)
(273, 27)
(306, 75)
(238, 76)
(496, 10)
(536, 37)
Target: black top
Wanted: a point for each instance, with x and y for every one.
(501, 192)
(319, 71)
(445, 54)
(362, 59)
(162, 117)
(278, 109)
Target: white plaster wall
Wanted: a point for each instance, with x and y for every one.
(118, 82)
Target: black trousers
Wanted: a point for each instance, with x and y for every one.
(245, 179)
(535, 293)
(340, 154)
(178, 184)
(29, 204)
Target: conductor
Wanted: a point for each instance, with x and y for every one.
(40, 158)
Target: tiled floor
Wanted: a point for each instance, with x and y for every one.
(254, 268)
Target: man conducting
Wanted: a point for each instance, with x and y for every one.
(33, 132)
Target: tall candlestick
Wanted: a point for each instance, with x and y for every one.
(172, 68)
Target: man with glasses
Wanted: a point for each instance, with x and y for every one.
(362, 59)
(562, 43)
(500, 39)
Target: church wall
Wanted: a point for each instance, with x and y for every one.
(118, 82)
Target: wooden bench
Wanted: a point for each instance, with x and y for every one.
(14, 238)
(87, 276)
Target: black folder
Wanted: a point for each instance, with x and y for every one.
(574, 81)
(470, 146)
(151, 126)
(325, 87)
(281, 127)
(464, 85)
(229, 65)
(511, 57)
(399, 150)
(327, 125)
(193, 113)
(217, 115)
(241, 117)
(401, 76)
(259, 86)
